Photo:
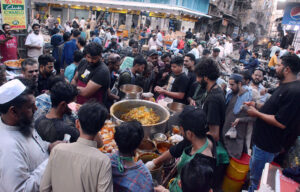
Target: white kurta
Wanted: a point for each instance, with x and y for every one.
(22, 160)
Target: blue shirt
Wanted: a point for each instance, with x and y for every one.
(252, 64)
(83, 35)
(97, 40)
(143, 40)
(68, 51)
(70, 72)
(244, 53)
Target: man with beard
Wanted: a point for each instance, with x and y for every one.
(30, 70)
(113, 45)
(23, 154)
(51, 127)
(35, 42)
(257, 87)
(213, 105)
(152, 70)
(133, 75)
(46, 70)
(189, 63)
(277, 119)
(8, 44)
(234, 134)
(92, 77)
(164, 72)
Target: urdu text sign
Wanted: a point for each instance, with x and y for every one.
(13, 13)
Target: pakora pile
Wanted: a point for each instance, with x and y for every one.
(146, 116)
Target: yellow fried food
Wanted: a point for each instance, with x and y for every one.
(142, 114)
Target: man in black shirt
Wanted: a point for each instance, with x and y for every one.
(214, 106)
(277, 119)
(51, 127)
(46, 63)
(189, 63)
(133, 75)
(189, 34)
(92, 77)
(177, 83)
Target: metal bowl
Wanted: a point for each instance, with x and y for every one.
(175, 107)
(131, 91)
(121, 107)
(159, 137)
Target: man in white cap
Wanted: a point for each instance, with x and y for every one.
(23, 154)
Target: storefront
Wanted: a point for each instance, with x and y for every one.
(128, 15)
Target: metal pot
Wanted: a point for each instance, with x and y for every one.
(131, 91)
(175, 107)
(121, 107)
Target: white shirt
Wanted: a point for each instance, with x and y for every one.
(159, 39)
(195, 52)
(35, 40)
(82, 23)
(23, 160)
(273, 50)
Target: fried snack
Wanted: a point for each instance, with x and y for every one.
(107, 132)
(14, 63)
(142, 114)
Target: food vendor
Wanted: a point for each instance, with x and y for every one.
(193, 127)
(8, 44)
(92, 77)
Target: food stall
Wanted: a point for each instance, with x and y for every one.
(154, 118)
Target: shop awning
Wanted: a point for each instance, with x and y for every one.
(169, 9)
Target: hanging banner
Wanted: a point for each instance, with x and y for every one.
(134, 12)
(188, 18)
(13, 13)
(98, 9)
(153, 14)
(113, 10)
(79, 7)
(291, 14)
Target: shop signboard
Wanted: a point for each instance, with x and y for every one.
(79, 7)
(13, 13)
(58, 5)
(291, 14)
(134, 12)
(153, 14)
(178, 17)
(188, 18)
(98, 9)
(113, 10)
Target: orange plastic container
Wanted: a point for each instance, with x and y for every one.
(238, 168)
(231, 185)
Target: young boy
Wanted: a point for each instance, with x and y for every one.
(177, 83)
(70, 70)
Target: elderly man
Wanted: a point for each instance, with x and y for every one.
(23, 154)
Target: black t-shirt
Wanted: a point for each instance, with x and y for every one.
(285, 105)
(99, 74)
(52, 130)
(42, 84)
(178, 83)
(214, 107)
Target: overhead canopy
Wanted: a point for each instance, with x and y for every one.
(169, 9)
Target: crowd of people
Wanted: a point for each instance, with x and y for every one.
(227, 108)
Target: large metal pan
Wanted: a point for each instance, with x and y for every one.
(124, 106)
(131, 91)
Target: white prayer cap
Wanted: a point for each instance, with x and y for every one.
(11, 90)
